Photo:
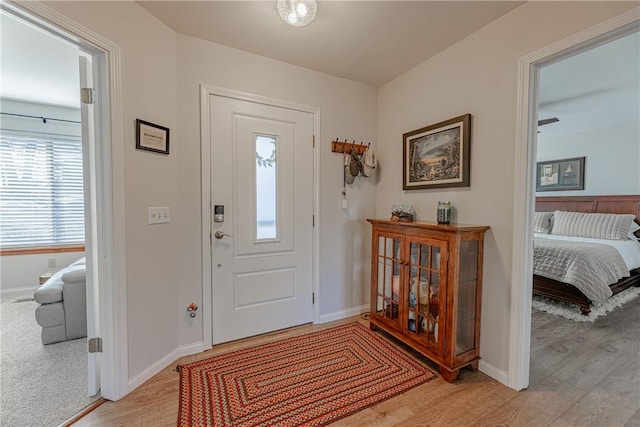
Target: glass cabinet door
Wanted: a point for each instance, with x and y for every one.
(425, 297)
(466, 290)
(388, 286)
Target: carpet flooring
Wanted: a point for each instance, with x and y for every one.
(39, 385)
(310, 380)
(572, 311)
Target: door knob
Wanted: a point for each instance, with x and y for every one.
(220, 234)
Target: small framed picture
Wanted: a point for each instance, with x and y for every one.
(560, 175)
(152, 137)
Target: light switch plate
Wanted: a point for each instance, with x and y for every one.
(159, 215)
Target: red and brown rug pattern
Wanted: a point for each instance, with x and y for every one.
(309, 380)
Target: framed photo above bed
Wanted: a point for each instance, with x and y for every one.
(560, 175)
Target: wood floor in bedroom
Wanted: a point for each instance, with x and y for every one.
(582, 374)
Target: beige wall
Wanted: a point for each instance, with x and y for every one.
(347, 110)
(148, 64)
(161, 72)
(606, 171)
(20, 273)
(479, 76)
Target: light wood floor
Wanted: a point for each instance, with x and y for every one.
(582, 374)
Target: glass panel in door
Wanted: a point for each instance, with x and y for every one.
(266, 188)
(388, 289)
(423, 299)
(465, 339)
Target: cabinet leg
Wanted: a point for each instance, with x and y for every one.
(474, 365)
(449, 376)
(373, 327)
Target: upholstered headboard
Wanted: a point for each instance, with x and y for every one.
(592, 204)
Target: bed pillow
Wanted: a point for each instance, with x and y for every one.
(542, 222)
(592, 225)
(632, 230)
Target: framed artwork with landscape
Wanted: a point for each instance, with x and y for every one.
(437, 156)
(560, 175)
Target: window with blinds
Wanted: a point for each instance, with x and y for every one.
(41, 191)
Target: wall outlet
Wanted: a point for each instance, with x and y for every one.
(52, 262)
(159, 215)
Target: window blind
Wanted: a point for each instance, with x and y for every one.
(41, 191)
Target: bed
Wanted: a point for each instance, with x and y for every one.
(561, 290)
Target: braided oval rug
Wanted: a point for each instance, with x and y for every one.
(309, 380)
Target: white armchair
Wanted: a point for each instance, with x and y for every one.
(62, 312)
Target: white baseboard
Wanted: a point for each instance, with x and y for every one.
(8, 292)
(487, 368)
(189, 349)
(160, 364)
(186, 350)
(343, 314)
(494, 372)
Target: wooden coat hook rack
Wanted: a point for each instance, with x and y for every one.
(345, 147)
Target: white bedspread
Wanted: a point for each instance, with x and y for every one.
(590, 265)
(629, 249)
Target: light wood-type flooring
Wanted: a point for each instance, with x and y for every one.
(582, 374)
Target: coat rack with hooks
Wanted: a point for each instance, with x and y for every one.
(346, 146)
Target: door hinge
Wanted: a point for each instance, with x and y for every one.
(313, 220)
(314, 141)
(210, 238)
(95, 345)
(313, 297)
(87, 95)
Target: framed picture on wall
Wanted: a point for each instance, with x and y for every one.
(437, 156)
(152, 137)
(560, 175)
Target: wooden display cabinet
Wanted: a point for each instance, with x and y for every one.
(426, 288)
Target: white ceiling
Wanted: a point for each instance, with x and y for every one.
(596, 89)
(357, 40)
(37, 67)
(367, 41)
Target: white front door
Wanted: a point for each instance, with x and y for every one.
(262, 245)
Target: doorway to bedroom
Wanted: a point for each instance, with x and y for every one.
(601, 95)
(589, 117)
(43, 213)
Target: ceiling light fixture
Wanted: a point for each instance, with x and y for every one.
(297, 12)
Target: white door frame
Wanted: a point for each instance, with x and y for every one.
(205, 149)
(87, 114)
(524, 195)
(109, 167)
